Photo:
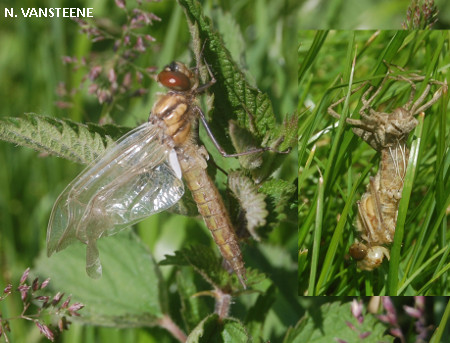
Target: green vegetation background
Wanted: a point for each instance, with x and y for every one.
(260, 36)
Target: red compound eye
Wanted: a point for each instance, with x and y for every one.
(174, 80)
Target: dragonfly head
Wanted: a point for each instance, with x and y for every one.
(177, 76)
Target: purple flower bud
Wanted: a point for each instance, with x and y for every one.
(139, 46)
(357, 309)
(45, 283)
(24, 275)
(126, 80)
(420, 302)
(23, 289)
(350, 325)
(7, 289)
(35, 284)
(103, 96)
(57, 298)
(74, 308)
(112, 75)
(94, 72)
(387, 303)
(65, 303)
(121, 4)
(139, 76)
(412, 312)
(396, 332)
(45, 330)
(365, 334)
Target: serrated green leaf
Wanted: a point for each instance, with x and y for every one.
(257, 314)
(279, 193)
(205, 261)
(333, 321)
(230, 31)
(234, 97)
(213, 329)
(251, 202)
(60, 137)
(193, 308)
(130, 292)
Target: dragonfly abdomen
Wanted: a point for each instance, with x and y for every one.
(211, 206)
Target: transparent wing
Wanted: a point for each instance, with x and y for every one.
(131, 181)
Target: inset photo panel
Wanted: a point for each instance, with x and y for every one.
(373, 163)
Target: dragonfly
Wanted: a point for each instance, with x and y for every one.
(141, 174)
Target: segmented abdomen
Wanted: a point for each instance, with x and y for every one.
(394, 161)
(211, 207)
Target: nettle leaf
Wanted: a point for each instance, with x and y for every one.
(204, 261)
(76, 142)
(208, 264)
(333, 322)
(130, 293)
(215, 329)
(251, 202)
(193, 307)
(257, 314)
(234, 97)
(279, 194)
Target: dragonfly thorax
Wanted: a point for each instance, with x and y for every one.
(175, 110)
